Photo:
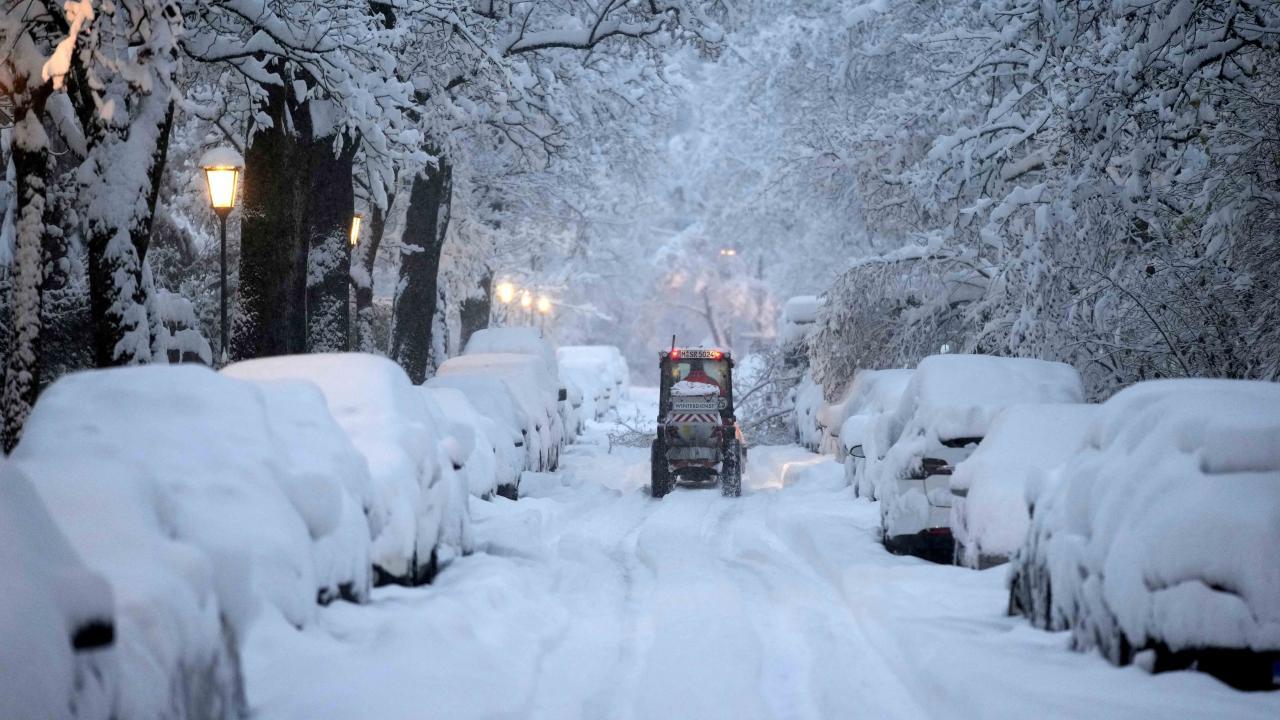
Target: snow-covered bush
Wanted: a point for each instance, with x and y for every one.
(989, 513)
(56, 616)
(176, 484)
(388, 422)
(1162, 533)
(946, 409)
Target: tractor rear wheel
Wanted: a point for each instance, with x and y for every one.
(731, 470)
(659, 474)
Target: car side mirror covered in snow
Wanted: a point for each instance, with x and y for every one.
(856, 451)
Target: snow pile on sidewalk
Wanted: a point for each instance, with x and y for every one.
(1163, 533)
(52, 609)
(388, 422)
(990, 518)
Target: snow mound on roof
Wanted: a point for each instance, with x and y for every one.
(517, 340)
(958, 395)
(1025, 442)
(386, 419)
(49, 595)
(1165, 529)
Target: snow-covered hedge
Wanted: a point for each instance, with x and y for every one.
(387, 420)
(56, 616)
(989, 513)
(1163, 533)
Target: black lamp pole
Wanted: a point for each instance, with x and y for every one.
(222, 343)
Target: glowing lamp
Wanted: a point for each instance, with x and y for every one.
(506, 292)
(222, 174)
(356, 221)
(526, 300)
(544, 304)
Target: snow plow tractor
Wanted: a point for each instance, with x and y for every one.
(698, 439)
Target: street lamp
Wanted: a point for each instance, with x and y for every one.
(544, 304)
(222, 168)
(506, 292)
(356, 220)
(728, 252)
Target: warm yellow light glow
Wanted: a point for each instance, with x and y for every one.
(728, 252)
(526, 300)
(544, 304)
(506, 292)
(356, 221)
(222, 186)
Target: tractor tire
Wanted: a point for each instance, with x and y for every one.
(731, 470)
(660, 481)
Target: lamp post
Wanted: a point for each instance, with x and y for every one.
(222, 168)
(544, 309)
(505, 292)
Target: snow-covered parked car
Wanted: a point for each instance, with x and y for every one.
(493, 461)
(808, 404)
(533, 386)
(387, 420)
(799, 319)
(946, 410)
(1159, 541)
(529, 341)
(180, 487)
(493, 397)
(864, 421)
(57, 617)
(592, 386)
(605, 362)
(989, 513)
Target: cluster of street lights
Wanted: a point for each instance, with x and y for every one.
(222, 167)
(529, 300)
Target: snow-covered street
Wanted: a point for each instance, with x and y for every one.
(588, 599)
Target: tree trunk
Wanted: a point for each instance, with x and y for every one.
(474, 311)
(120, 196)
(426, 223)
(271, 317)
(364, 257)
(31, 217)
(331, 204)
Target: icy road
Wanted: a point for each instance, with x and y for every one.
(587, 599)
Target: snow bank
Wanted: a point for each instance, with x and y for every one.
(174, 483)
(51, 604)
(387, 421)
(1163, 533)
(990, 517)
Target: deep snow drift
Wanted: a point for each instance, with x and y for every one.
(587, 599)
